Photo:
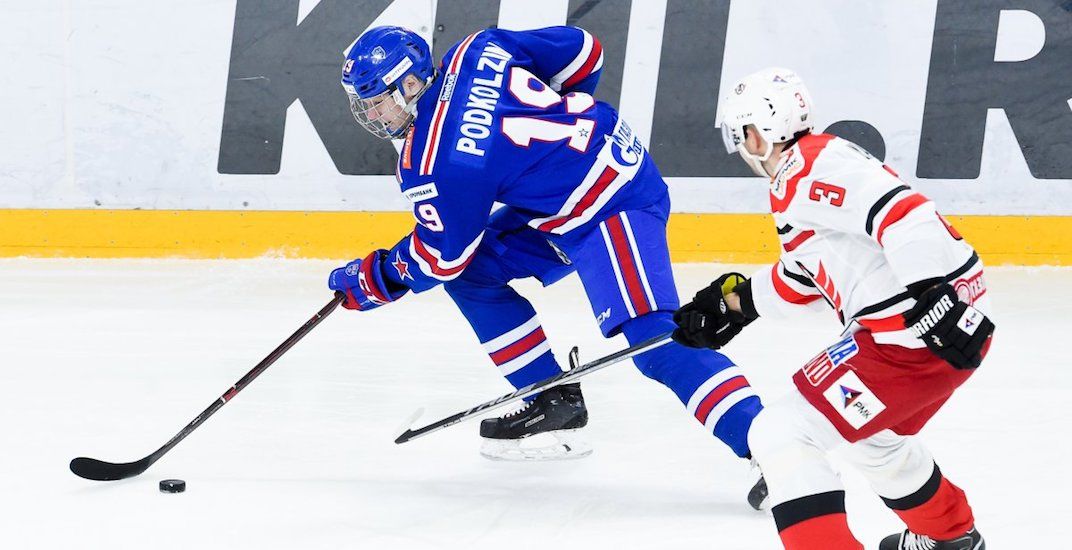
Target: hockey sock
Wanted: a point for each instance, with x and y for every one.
(815, 522)
(714, 390)
(938, 510)
(523, 355)
(508, 329)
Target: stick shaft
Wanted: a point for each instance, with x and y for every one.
(253, 373)
(104, 471)
(564, 378)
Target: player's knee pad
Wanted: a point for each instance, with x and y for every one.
(895, 465)
(779, 436)
(769, 434)
(789, 439)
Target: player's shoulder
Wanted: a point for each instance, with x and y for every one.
(816, 156)
(834, 162)
(800, 158)
(454, 55)
(797, 163)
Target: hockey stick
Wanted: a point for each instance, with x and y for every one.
(99, 470)
(566, 377)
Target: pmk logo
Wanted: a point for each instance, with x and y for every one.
(853, 400)
(849, 395)
(971, 319)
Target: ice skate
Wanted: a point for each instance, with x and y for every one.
(908, 540)
(544, 429)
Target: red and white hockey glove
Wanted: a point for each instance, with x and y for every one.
(953, 330)
(364, 284)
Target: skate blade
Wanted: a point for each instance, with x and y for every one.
(557, 445)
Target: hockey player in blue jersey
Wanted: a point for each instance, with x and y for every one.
(508, 117)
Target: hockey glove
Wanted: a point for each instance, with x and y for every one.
(364, 284)
(707, 321)
(953, 330)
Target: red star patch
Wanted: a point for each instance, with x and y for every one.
(402, 267)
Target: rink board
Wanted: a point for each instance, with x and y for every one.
(749, 238)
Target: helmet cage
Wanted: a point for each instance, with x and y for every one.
(374, 71)
(386, 116)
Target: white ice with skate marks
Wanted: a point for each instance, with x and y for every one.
(109, 359)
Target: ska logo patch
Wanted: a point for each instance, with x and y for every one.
(853, 400)
(402, 267)
(834, 356)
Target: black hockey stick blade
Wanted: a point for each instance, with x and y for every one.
(566, 377)
(99, 470)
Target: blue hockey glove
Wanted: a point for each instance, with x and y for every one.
(364, 284)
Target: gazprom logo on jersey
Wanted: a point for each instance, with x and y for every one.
(625, 145)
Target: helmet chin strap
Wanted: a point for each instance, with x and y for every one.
(410, 107)
(755, 162)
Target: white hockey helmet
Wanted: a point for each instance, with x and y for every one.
(774, 101)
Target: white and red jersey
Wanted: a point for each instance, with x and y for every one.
(853, 237)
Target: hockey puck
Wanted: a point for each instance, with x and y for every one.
(172, 486)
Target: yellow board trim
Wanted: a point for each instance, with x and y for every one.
(730, 238)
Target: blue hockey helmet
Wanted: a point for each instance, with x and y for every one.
(375, 67)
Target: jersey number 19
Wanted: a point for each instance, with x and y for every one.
(531, 91)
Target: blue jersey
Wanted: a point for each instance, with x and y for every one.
(510, 120)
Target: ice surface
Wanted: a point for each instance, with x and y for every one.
(109, 359)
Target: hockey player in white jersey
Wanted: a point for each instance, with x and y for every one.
(911, 295)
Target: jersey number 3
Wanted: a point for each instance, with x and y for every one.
(531, 91)
(833, 194)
